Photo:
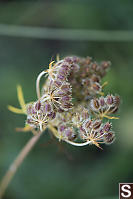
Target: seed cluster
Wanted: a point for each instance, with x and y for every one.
(73, 103)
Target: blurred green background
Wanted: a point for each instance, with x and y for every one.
(54, 170)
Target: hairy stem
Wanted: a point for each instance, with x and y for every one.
(16, 163)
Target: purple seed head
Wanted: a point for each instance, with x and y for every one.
(65, 98)
(97, 124)
(96, 103)
(38, 105)
(61, 76)
(70, 134)
(69, 60)
(66, 105)
(65, 87)
(62, 72)
(75, 67)
(107, 127)
(57, 83)
(109, 138)
(101, 131)
(110, 100)
(29, 109)
(82, 129)
(117, 100)
(65, 67)
(75, 59)
(102, 101)
(105, 64)
(85, 114)
(29, 121)
(47, 107)
(51, 115)
(62, 128)
(96, 86)
(95, 78)
(88, 124)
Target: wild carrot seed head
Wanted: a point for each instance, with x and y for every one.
(73, 102)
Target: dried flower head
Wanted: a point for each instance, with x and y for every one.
(104, 106)
(71, 102)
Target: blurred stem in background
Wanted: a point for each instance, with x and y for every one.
(65, 34)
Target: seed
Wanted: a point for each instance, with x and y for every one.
(110, 100)
(70, 134)
(88, 124)
(96, 86)
(109, 138)
(62, 128)
(106, 64)
(97, 124)
(69, 59)
(117, 100)
(47, 107)
(101, 101)
(57, 83)
(38, 105)
(96, 103)
(107, 127)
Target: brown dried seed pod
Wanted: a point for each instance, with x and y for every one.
(102, 101)
(47, 107)
(86, 82)
(94, 66)
(96, 103)
(107, 126)
(70, 134)
(57, 83)
(88, 124)
(95, 78)
(113, 109)
(51, 115)
(29, 109)
(106, 64)
(88, 60)
(62, 127)
(38, 105)
(69, 60)
(96, 86)
(109, 138)
(117, 100)
(97, 124)
(109, 100)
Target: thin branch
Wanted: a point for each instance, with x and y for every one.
(66, 34)
(78, 144)
(55, 132)
(17, 162)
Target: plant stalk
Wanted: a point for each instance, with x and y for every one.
(16, 163)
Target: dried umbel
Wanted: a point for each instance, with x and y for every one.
(72, 104)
